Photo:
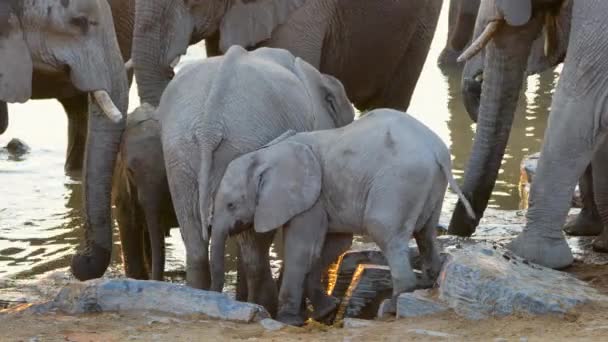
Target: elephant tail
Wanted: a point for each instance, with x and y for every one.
(204, 191)
(447, 171)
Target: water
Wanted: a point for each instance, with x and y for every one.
(40, 205)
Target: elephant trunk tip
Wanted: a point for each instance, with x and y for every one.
(91, 263)
(462, 224)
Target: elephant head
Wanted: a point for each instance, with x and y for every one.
(264, 189)
(73, 40)
(461, 22)
(508, 42)
(165, 28)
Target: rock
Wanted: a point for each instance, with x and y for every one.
(368, 254)
(484, 280)
(272, 325)
(108, 295)
(17, 147)
(431, 333)
(528, 170)
(371, 284)
(415, 304)
(356, 323)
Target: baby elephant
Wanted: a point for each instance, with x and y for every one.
(384, 175)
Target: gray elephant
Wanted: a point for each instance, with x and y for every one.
(461, 22)
(72, 41)
(144, 210)
(588, 222)
(219, 108)
(74, 101)
(575, 128)
(384, 175)
(375, 48)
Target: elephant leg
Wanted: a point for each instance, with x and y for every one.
(261, 288)
(130, 227)
(587, 222)
(156, 236)
(398, 93)
(324, 305)
(303, 238)
(600, 187)
(404, 280)
(3, 117)
(426, 239)
(241, 278)
(76, 109)
(184, 192)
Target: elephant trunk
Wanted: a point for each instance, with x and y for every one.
(503, 78)
(103, 140)
(3, 117)
(219, 235)
(162, 34)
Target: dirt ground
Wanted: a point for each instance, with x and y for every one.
(588, 323)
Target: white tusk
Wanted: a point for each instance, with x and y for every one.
(107, 105)
(175, 62)
(129, 65)
(480, 43)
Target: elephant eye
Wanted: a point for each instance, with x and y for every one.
(231, 206)
(331, 100)
(81, 22)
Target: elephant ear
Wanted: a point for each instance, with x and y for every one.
(16, 67)
(288, 133)
(289, 184)
(249, 22)
(515, 12)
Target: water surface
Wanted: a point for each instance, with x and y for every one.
(40, 205)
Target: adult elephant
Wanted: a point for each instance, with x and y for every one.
(491, 84)
(578, 110)
(74, 43)
(461, 22)
(376, 48)
(75, 102)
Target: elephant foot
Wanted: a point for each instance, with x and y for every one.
(324, 309)
(551, 252)
(388, 308)
(584, 224)
(600, 243)
(290, 319)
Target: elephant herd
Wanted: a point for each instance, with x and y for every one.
(260, 134)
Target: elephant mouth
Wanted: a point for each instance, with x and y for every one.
(471, 89)
(239, 227)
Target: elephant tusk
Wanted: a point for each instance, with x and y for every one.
(175, 62)
(129, 65)
(107, 105)
(480, 43)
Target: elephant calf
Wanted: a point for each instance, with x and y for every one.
(144, 209)
(219, 108)
(384, 175)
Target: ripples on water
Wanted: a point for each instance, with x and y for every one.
(40, 205)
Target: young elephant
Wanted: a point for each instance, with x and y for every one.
(144, 210)
(217, 109)
(384, 175)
